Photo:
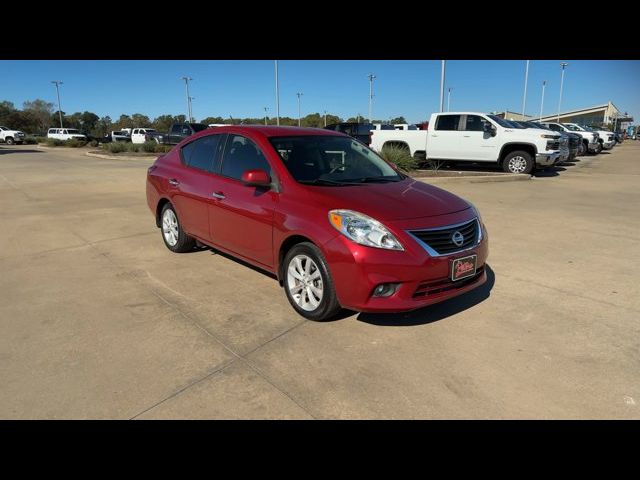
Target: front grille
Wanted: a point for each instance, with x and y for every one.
(553, 145)
(433, 287)
(610, 138)
(440, 240)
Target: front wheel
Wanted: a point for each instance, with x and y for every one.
(582, 148)
(174, 237)
(598, 149)
(518, 162)
(308, 284)
(9, 141)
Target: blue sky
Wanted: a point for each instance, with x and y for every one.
(243, 88)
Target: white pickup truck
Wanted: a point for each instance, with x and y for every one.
(10, 137)
(475, 137)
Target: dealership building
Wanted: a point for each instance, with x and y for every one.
(598, 115)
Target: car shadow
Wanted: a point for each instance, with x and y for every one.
(7, 150)
(436, 312)
(213, 251)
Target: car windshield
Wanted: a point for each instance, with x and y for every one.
(332, 161)
(538, 125)
(573, 128)
(501, 121)
(198, 127)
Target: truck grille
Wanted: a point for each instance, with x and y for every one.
(440, 240)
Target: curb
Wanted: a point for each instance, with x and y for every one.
(121, 157)
(507, 177)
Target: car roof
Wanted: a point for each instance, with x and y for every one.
(276, 131)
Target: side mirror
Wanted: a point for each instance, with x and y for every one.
(256, 178)
(489, 128)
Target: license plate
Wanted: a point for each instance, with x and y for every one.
(463, 267)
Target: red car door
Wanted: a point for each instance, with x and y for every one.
(192, 184)
(241, 216)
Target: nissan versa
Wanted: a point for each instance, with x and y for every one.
(337, 225)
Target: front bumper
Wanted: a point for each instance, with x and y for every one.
(608, 145)
(424, 280)
(547, 159)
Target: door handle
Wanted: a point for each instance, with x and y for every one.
(466, 136)
(434, 135)
(218, 195)
(174, 182)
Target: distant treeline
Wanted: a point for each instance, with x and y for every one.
(37, 116)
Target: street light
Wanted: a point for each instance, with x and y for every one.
(299, 95)
(371, 78)
(191, 99)
(58, 83)
(277, 96)
(563, 65)
(265, 114)
(186, 83)
(544, 84)
(526, 79)
(449, 100)
(442, 86)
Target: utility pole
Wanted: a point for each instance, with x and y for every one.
(449, 100)
(191, 99)
(265, 114)
(563, 65)
(371, 78)
(299, 95)
(186, 83)
(325, 118)
(277, 97)
(442, 76)
(526, 79)
(58, 83)
(544, 84)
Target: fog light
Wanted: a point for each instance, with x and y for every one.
(385, 289)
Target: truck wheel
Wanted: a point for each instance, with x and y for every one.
(582, 148)
(598, 149)
(9, 140)
(518, 161)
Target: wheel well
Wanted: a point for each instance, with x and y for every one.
(161, 204)
(396, 144)
(507, 149)
(287, 245)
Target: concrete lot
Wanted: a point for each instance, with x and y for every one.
(99, 320)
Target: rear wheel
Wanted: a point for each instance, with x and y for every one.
(174, 237)
(518, 161)
(308, 284)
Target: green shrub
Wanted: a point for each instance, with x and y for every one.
(93, 143)
(115, 147)
(75, 143)
(149, 146)
(30, 141)
(133, 147)
(401, 156)
(162, 148)
(54, 142)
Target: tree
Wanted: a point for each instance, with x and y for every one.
(398, 120)
(163, 123)
(140, 120)
(40, 111)
(124, 122)
(103, 127)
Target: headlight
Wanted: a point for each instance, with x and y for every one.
(364, 230)
(549, 136)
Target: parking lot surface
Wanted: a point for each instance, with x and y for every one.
(99, 320)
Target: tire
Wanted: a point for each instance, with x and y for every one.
(598, 149)
(173, 236)
(518, 161)
(299, 266)
(582, 149)
(9, 140)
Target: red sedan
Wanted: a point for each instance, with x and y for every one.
(337, 225)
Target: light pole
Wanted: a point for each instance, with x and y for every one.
(449, 100)
(191, 99)
(371, 77)
(526, 79)
(299, 95)
(186, 83)
(563, 65)
(58, 83)
(544, 84)
(277, 96)
(442, 86)
(325, 118)
(265, 114)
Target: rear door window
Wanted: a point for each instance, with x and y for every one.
(448, 122)
(202, 153)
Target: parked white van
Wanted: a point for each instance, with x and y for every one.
(65, 134)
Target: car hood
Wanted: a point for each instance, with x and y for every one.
(532, 132)
(402, 200)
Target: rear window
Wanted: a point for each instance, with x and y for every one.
(202, 152)
(448, 122)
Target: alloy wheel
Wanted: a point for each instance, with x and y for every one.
(170, 227)
(304, 281)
